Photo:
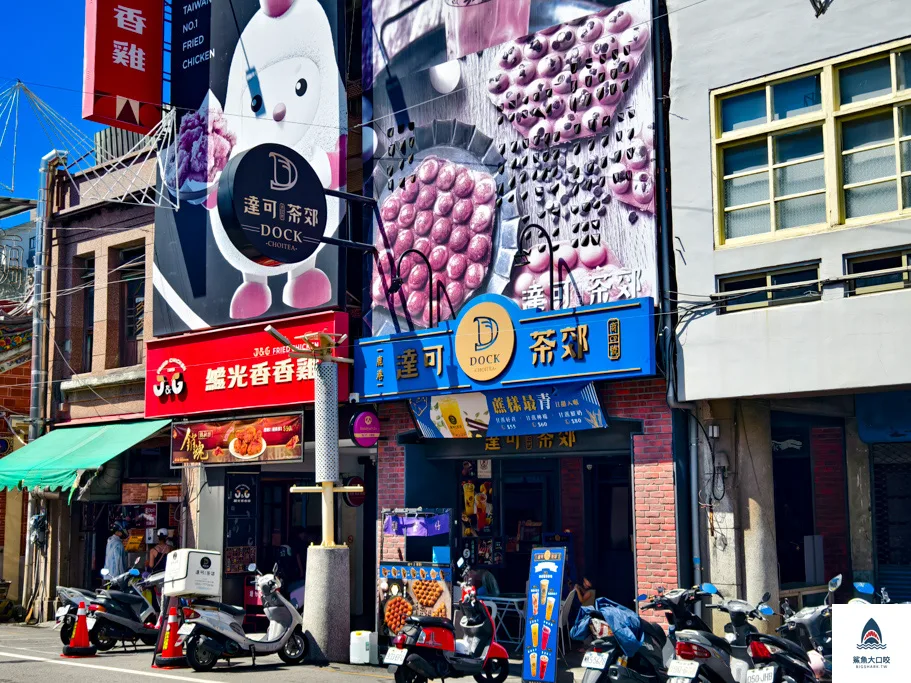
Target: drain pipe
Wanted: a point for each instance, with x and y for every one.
(661, 53)
(39, 337)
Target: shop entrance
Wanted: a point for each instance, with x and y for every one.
(609, 559)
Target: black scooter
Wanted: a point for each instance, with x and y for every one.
(124, 613)
(811, 629)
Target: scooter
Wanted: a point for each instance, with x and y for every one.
(868, 589)
(125, 614)
(213, 629)
(69, 599)
(427, 647)
(811, 628)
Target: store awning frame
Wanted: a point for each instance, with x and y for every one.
(56, 461)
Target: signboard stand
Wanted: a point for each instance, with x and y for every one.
(542, 617)
(434, 571)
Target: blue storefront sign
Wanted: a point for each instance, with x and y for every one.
(495, 345)
(534, 410)
(542, 614)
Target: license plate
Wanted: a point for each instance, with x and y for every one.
(186, 629)
(684, 668)
(90, 622)
(395, 656)
(764, 675)
(61, 612)
(594, 660)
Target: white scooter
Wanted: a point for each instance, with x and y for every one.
(214, 630)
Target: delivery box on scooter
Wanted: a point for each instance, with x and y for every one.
(192, 572)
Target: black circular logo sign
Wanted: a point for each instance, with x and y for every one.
(272, 204)
(205, 563)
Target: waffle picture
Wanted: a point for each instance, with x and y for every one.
(440, 612)
(427, 592)
(397, 610)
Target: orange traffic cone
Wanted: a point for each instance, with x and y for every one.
(79, 642)
(172, 656)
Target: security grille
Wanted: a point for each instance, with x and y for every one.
(892, 516)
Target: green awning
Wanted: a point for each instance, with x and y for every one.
(55, 460)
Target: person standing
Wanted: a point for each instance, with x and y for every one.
(115, 555)
(157, 555)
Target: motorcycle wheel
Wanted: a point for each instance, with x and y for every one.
(102, 638)
(149, 640)
(495, 671)
(295, 650)
(199, 658)
(66, 630)
(405, 674)
(19, 614)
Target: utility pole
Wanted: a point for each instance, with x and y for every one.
(327, 617)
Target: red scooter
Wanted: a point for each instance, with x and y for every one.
(427, 647)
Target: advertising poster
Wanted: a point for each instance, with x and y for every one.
(241, 520)
(533, 122)
(478, 507)
(542, 618)
(574, 407)
(416, 589)
(259, 86)
(232, 442)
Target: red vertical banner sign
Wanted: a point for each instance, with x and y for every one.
(122, 80)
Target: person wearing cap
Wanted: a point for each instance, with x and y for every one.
(115, 555)
(157, 554)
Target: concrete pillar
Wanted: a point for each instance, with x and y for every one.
(860, 499)
(722, 542)
(12, 551)
(757, 501)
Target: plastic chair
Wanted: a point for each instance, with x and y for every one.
(564, 622)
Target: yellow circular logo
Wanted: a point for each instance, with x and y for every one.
(485, 341)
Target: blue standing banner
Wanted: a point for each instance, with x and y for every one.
(542, 622)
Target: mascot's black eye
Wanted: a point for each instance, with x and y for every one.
(301, 87)
(256, 103)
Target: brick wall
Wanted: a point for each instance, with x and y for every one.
(653, 479)
(134, 494)
(394, 419)
(14, 398)
(828, 452)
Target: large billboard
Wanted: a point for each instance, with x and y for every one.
(259, 87)
(515, 152)
(122, 79)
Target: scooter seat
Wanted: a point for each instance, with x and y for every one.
(222, 607)
(127, 598)
(434, 622)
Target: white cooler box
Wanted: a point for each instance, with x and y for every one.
(192, 572)
(364, 649)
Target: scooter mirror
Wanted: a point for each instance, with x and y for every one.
(460, 563)
(105, 571)
(766, 611)
(642, 597)
(138, 560)
(766, 596)
(864, 587)
(709, 588)
(251, 567)
(835, 584)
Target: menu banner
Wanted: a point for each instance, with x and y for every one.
(509, 412)
(414, 589)
(542, 617)
(232, 442)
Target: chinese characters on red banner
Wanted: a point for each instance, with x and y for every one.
(124, 42)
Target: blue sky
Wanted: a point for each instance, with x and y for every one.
(41, 43)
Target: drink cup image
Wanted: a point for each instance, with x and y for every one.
(545, 584)
(544, 660)
(534, 633)
(548, 615)
(545, 637)
(533, 663)
(534, 603)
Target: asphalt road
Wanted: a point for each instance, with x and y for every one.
(30, 654)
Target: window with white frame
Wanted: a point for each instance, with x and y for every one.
(824, 146)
